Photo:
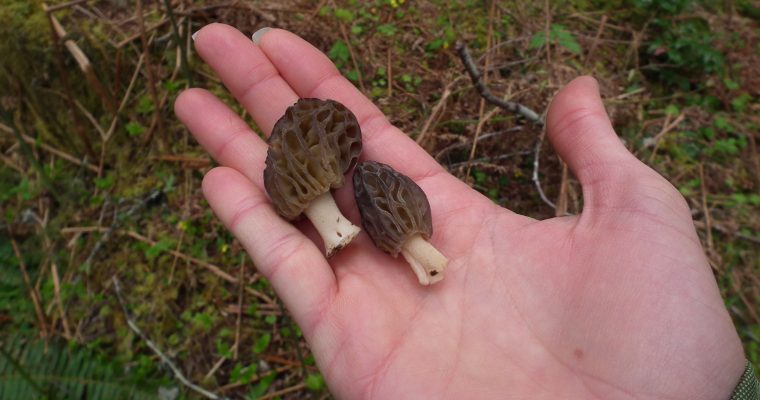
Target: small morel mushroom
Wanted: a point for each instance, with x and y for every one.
(396, 214)
(310, 149)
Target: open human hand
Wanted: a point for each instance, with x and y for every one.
(616, 303)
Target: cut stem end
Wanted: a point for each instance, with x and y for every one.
(426, 261)
(335, 229)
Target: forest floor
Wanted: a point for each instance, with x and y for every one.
(100, 185)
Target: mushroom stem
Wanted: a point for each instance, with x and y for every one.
(426, 261)
(335, 229)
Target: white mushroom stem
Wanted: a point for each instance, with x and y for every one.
(335, 229)
(426, 261)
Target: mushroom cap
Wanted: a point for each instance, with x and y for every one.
(310, 149)
(392, 206)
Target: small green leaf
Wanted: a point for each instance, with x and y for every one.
(135, 128)
(173, 86)
(722, 124)
(708, 132)
(352, 75)
(203, 321)
(565, 38)
(314, 382)
(739, 198)
(252, 310)
(144, 105)
(105, 182)
(740, 102)
(262, 386)
(730, 84)
(537, 40)
(262, 343)
(158, 248)
(223, 349)
(242, 374)
(344, 15)
(436, 44)
(387, 29)
(672, 110)
(339, 52)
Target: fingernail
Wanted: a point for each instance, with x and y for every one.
(259, 34)
(194, 35)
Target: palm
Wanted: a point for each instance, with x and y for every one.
(525, 298)
(609, 304)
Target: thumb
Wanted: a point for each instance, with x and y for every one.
(581, 133)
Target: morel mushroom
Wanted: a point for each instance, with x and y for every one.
(310, 149)
(396, 214)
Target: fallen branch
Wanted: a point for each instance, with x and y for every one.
(213, 268)
(63, 155)
(81, 59)
(32, 290)
(67, 4)
(484, 136)
(478, 129)
(488, 160)
(291, 389)
(441, 105)
(191, 161)
(164, 358)
(727, 231)
(154, 194)
(536, 180)
(476, 77)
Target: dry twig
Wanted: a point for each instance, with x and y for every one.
(475, 76)
(240, 308)
(211, 267)
(727, 231)
(164, 358)
(706, 209)
(43, 224)
(107, 231)
(437, 110)
(61, 6)
(82, 60)
(152, 81)
(353, 58)
(32, 292)
(281, 392)
(63, 155)
(667, 126)
(535, 178)
(561, 209)
(479, 128)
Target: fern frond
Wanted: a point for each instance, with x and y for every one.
(34, 370)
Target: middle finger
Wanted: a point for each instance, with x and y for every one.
(246, 72)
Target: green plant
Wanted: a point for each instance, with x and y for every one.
(40, 370)
(557, 34)
(682, 49)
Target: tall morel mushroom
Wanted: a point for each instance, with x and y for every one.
(310, 149)
(396, 214)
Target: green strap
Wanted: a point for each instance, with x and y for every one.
(748, 387)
